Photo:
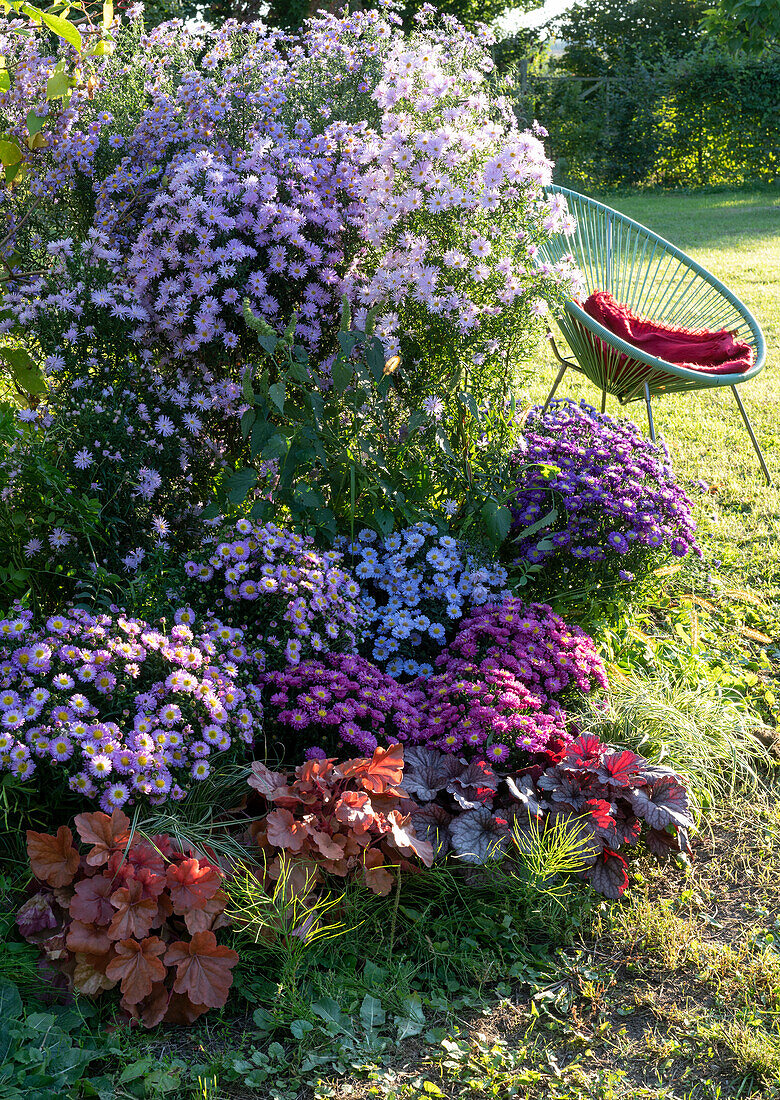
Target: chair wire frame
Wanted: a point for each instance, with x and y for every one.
(654, 279)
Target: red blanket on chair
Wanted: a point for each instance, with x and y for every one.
(706, 351)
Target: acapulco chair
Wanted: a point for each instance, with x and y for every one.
(657, 280)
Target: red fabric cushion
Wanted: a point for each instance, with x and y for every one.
(706, 351)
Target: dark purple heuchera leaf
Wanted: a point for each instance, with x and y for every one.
(568, 790)
(609, 874)
(622, 769)
(36, 916)
(666, 842)
(599, 813)
(478, 836)
(628, 826)
(664, 802)
(475, 786)
(428, 771)
(431, 823)
(523, 791)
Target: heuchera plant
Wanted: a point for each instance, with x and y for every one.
(136, 913)
(340, 818)
(602, 794)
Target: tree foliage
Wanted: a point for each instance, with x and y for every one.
(604, 36)
(749, 25)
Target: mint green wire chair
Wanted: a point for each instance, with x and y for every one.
(656, 280)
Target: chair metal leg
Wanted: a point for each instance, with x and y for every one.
(752, 434)
(556, 383)
(649, 412)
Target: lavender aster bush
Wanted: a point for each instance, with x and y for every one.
(416, 585)
(620, 509)
(294, 600)
(200, 169)
(123, 709)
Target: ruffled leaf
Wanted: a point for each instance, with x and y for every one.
(267, 783)
(104, 832)
(135, 914)
(91, 900)
(431, 823)
(90, 977)
(406, 840)
(37, 917)
(53, 859)
(384, 770)
(428, 771)
(88, 938)
(664, 802)
(479, 837)
(284, 831)
(202, 969)
(609, 874)
(191, 884)
(621, 769)
(137, 966)
(379, 878)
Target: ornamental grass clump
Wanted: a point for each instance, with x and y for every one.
(119, 710)
(499, 686)
(620, 510)
(294, 600)
(416, 585)
(338, 700)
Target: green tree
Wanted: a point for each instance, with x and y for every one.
(749, 25)
(605, 36)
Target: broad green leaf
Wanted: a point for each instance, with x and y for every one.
(35, 123)
(277, 395)
(239, 484)
(347, 341)
(64, 29)
(372, 1015)
(384, 521)
(545, 521)
(276, 447)
(5, 80)
(24, 370)
(58, 85)
(299, 1028)
(10, 1001)
(335, 1020)
(342, 373)
(10, 153)
(497, 519)
(135, 1070)
(412, 1020)
(108, 14)
(375, 358)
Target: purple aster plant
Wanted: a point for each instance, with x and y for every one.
(621, 511)
(294, 600)
(122, 710)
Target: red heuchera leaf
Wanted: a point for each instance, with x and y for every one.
(89, 939)
(36, 916)
(200, 920)
(191, 884)
(584, 752)
(53, 859)
(90, 977)
(104, 832)
(144, 857)
(663, 803)
(139, 966)
(135, 915)
(284, 831)
(385, 769)
(609, 874)
(91, 900)
(475, 786)
(202, 969)
(621, 769)
(378, 878)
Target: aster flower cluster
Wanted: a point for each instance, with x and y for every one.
(125, 710)
(620, 506)
(499, 685)
(109, 467)
(349, 159)
(339, 700)
(416, 585)
(296, 600)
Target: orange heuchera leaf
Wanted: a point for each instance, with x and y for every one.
(354, 809)
(328, 846)
(89, 978)
(199, 920)
(202, 969)
(135, 914)
(384, 770)
(284, 831)
(138, 966)
(268, 783)
(181, 1010)
(152, 1009)
(106, 833)
(378, 878)
(53, 859)
(192, 884)
(91, 900)
(406, 840)
(88, 939)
